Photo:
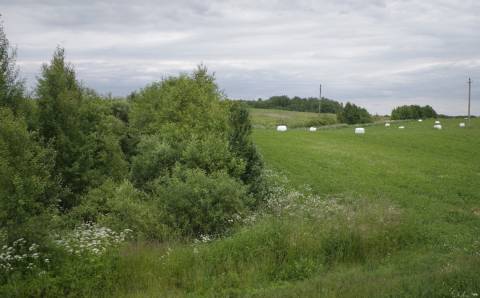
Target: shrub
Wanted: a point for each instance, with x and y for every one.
(154, 159)
(121, 206)
(211, 154)
(196, 203)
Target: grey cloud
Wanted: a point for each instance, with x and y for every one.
(376, 53)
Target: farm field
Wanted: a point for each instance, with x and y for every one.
(269, 118)
(398, 216)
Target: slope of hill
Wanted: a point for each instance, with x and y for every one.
(269, 118)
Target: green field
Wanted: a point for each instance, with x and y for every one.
(392, 213)
(269, 118)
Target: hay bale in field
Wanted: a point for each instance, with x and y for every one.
(281, 128)
(401, 127)
(437, 122)
(462, 124)
(312, 129)
(420, 120)
(359, 131)
(437, 126)
(387, 124)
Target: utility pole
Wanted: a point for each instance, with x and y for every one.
(320, 100)
(469, 95)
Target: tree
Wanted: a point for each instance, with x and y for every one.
(11, 87)
(28, 190)
(182, 120)
(353, 114)
(178, 107)
(413, 112)
(81, 128)
(241, 143)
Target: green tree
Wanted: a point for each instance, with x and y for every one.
(242, 145)
(11, 87)
(178, 107)
(353, 114)
(28, 191)
(181, 120)
(81, 128)
(413, 112)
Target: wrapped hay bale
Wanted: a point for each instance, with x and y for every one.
(387, 124)
(359, 131)
(462, 124)
(281, 128)
(312, 129)
(401, 127)
(437, 126)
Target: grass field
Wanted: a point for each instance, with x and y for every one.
(269, 118)
(392, 213)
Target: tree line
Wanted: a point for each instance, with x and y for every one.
(413, 112)
(310, 104)
(348, 113)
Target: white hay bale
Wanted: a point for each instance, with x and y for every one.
(420, 120)
(281, 128)
(437, 122)
(437, 126)
(462, 124)
(401, 127)
(387, 124)
(312, 129)
(359, 131)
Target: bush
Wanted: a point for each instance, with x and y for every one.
(320, 122)
(154, 159)
(197, 204)
(121, 206)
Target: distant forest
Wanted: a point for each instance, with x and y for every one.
(310, 104)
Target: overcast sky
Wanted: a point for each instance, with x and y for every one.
(378, 54)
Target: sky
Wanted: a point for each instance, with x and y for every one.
(378, 54)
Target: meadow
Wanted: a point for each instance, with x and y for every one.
(392, 213)
(269, 118)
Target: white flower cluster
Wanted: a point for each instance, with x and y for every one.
(462, 294)
(283, 200)
(19, 255)
(204, 239)
(91, 239)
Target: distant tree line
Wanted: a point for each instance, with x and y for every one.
(350, 113)
(299, 104)
(413, 112)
